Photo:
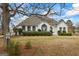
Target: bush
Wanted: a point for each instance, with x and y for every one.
(35, 33)
(69, 34)
(59, 32)
(39, 30)
(15, 30)
(20, 31)
(64, 33)
(28, 45)
(17, 49)
(51, 31)
(13, 49)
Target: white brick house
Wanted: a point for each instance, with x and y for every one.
(34, 23)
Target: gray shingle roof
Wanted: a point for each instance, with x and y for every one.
(61, 20)
(36, 19)
(30, 21)
(69, 22)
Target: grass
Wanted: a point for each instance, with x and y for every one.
(50, 45)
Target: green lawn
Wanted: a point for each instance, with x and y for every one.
(50, 45)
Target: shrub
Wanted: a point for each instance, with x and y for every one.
(28, 45)
(35, 33)
(39, 30)
(59, 32)
(13, 49)
(64, 33)
(20, 31)
(69, 34)
(15, 30)
(51, 31)
(17, 49)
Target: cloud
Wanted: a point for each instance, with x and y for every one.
(75, 5)
(74, 11)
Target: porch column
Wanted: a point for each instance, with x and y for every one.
(36, 28)
(25, 28)
(31, 28)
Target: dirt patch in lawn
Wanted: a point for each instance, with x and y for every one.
(34, 51)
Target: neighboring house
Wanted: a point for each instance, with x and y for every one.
(76, 31)
(36, 22)
(70, 26)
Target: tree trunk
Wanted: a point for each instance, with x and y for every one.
(5, 21)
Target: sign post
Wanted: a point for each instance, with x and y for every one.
(7, 37)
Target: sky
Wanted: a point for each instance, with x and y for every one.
(69, 12)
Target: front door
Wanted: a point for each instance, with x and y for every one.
(44, 27)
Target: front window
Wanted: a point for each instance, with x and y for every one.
(34, 28)
(44, 27)
(23, 27)
(64, 29)
(29, 28)
(60, 28)
(51, 29)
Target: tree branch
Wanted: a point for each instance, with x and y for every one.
(19, 6)
(49, 9)
(14, 11)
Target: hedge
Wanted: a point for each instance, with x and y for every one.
(35, 33)
(65, 34)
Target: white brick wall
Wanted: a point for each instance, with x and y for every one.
(55, 28)
(62, 24)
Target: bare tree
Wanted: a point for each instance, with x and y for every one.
(6, 17)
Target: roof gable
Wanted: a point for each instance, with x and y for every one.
(36, 19)
(69, 22)
(61, 20)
